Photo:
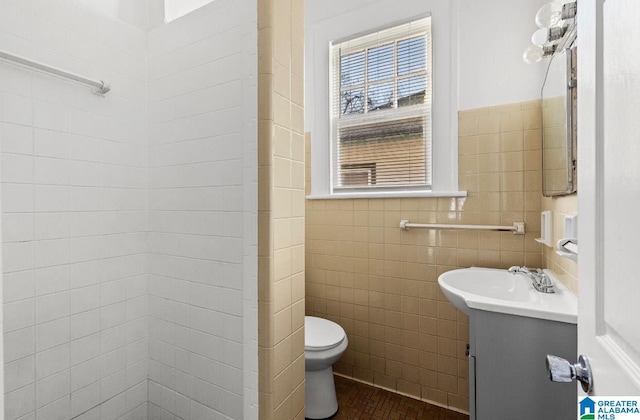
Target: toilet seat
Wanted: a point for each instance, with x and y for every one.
(321, 334)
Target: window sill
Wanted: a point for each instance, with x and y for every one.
(387, 194)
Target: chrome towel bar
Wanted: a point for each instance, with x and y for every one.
(100, 87)
(517, 228)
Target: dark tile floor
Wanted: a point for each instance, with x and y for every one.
(360, 401)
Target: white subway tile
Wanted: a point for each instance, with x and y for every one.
(52, 388)
(85, 374)
(84, 324)
(51, 171)
(51, 198)
(52, 334)
(137, 395)
(52, 252)
(86, 274)
(15, 109)
(137, 308)
(137, 286)
(84, 349)
(84, 148)
(113, 408)
(50, 143)
(19, 373)
(85, 249)
(84, 299)
(113, 362)
(57, 410)
(182, 406)
(232, 353)
(19, 402)
(112, 315)
(141, 412)
(137, 351)
(113, 385)
(16, 138)
(18, 315)
(17, 168)
(52, 279)
(113, 338)
(85, 398)
(52, 361)
(51, 225)
(138, 372)
(50, 116)
(19, 344)
(113, 292)
(16, 21)
(92, 414)
(51, 307)
(18, 256)
(17, 198)
(17, 227)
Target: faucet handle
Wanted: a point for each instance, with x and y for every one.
(518, 269)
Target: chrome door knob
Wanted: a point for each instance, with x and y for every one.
(560, 370)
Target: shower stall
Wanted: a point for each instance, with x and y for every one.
(129, 217)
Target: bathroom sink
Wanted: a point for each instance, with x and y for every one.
(497, 290)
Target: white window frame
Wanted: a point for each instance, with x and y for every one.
(421, 26)
(320, 34)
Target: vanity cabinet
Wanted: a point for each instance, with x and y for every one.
(508, 378)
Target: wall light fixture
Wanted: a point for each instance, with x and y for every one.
(557, 30)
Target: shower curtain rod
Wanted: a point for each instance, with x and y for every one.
(100, 86)
(517, 228)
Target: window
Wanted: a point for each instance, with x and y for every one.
(381, 110)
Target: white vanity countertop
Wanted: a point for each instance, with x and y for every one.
(498, 290)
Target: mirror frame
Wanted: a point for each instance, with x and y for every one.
(571, 127)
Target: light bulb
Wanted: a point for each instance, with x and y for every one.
(532, 54)
(539, 37)
(549, 15)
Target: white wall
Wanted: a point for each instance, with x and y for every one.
(336, 19)
(74, 211)
(492, 36)
(202, 214)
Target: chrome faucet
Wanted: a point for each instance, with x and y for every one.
(541, 282)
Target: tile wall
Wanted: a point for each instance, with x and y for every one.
(74, 199)
(130, 220)
(281, 225)
(565, 269)
(202, 211)
(380, 283)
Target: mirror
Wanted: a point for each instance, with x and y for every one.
(559, 137)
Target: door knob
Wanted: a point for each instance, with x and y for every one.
(561, 370)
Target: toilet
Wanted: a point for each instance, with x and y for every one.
(324, 343)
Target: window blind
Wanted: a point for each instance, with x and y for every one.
(381, 109)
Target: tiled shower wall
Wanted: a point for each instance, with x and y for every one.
(100, 193)
(202, 214)
(281, 208)
(380, 283)
(74, 201)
